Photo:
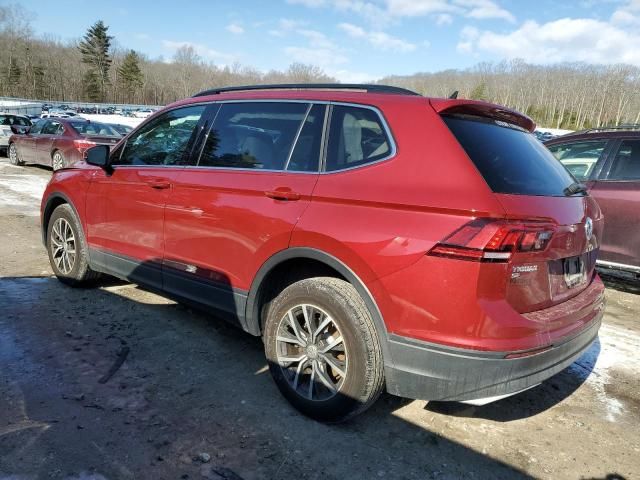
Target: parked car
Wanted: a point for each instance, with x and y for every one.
(6, 122)
(122, 129)
(143, 113)
(543, 136)
(59, 142)
(376, 239)
(607, 161)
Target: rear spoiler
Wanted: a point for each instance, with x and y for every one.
(482, 109)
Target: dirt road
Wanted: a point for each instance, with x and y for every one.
(193, 399)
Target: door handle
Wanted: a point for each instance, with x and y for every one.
(282, 194)
(158, 184)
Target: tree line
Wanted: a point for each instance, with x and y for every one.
(96, 68)
(565, 95)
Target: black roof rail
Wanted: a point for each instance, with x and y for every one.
(370, 88)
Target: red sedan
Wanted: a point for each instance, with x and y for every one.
(59, 142)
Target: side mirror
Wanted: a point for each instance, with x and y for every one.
(20, 129)
(98, 156)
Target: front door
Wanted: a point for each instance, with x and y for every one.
(239, 203)
(27, 143)
(125, 206)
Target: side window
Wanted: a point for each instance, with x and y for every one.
(256, 135)
(626, 164)
(51, 128)
(305, 156)
(356, 137)
(164, 141)
(579, 158)
(36, 129)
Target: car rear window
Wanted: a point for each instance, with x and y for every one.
(94, 128)
(510, 159)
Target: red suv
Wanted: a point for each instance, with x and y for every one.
(376, 239)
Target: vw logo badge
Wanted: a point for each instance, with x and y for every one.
(588, 228)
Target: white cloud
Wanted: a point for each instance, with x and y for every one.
(235, 29)
(318, 49)
(484, 9)
(416, 8)
(566, 39)
(380, 40)
(381, 12)
(202, 50)
(308, 3)
(628, 14)
(444, 19)
(322, 57)
(316, 39)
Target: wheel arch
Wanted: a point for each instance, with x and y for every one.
(54, 201)
(252, 317)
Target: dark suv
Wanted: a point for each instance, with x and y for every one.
(607, 161)
(373, 237)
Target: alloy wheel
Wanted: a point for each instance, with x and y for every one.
(63, 246)
(58, 161)
(311, 352)
(13, 154)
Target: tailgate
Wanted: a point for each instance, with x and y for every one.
(542, 279)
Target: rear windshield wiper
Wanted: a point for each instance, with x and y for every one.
(575, 188)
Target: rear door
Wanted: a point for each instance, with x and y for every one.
(44, 141)
(125, 207)
(617, 191)
(27, 143)
(239, 202)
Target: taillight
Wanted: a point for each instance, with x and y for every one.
(488, 240)
(83, 145)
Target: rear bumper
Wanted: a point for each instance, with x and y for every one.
(432, 372)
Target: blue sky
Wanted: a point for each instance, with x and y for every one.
(359, 40)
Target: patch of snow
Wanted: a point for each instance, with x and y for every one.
(616, 349)
(119, 119)
(22, 192)
(554, 131)
(30, 185)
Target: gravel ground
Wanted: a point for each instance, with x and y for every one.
(193, 399)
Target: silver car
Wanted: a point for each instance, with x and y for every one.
(6, 121)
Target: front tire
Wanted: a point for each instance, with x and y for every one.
(67, 248)
(14, 157)
(323, 350)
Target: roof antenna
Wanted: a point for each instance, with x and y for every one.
(454, 95)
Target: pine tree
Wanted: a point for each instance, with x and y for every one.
(130, 76)
(13, 75)
(91, 85)
(479, 92)
(94, 48)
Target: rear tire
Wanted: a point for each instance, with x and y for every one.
(58, 161)
(14, 156)
(67, 248)
(339, 371)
